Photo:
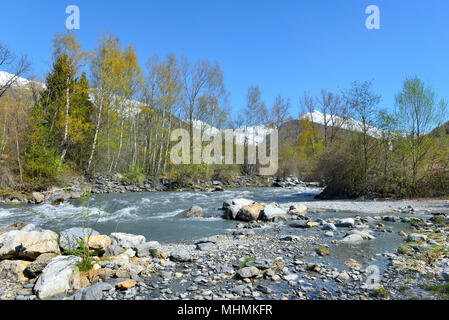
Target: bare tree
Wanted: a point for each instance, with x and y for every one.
(279, 111)
(362, 102)
(16, 66)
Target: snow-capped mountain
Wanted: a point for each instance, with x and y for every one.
(6, 76)
(254, 134)
(350, 124)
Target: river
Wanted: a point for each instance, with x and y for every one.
(151, 214)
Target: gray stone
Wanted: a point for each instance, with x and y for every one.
(329, 226)
(416, 237)
(271, 212)
(113, 250)
(248, 272)
(127, 240)
(35, 268)
(94, 292)
(205, 246)
(180, 255)
(343, 277)
(193, 212)
(260, 263)
(290, 238)
(348, 222)
(290, 277)
(146, 249)
(298, 224)
(68, 238)
(352, 239)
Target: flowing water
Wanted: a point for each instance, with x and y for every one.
(151, 214)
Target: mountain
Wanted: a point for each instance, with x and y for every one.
(6, 76)
(254, 134)
(347, 123)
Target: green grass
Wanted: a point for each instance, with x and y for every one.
(248, 259)
(323, 251)
(441, 290)
(382, 292)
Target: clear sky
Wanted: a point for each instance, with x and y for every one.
(285, 47)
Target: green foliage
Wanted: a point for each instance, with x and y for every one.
(83, 252)
(247, 259)
(135, 175)
(41, 167)
(323, 251)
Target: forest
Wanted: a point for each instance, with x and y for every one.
(100, 112)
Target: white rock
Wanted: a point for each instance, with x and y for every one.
(56, 277)
(26, 244)
(127, 240)
(348, 222)
(352, 238)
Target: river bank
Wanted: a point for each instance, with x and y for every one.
(117, 184)
(306, 257)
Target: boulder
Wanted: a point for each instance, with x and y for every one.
(416, 237)
(232, 211)
(248, 272)
(127, 284)
(297, 209)
(271, 212)
(28, 244)
(35, 268)
(68, 239)
(127, 240)
(299, 224)
(193, 212)
(348, 222)
(113, 250)
(238, 202)
(98, 243)
(329, 227)
(260, 264)
(365, 234)
(13, 270)
(122, 260)
(343, 277)
(250, 212)
(94, 292)
(58, 197)
(352, 238)
(146, 249)
(291, 277)
(56, 277)
(205, 246)
(180, 255)
(38, 197)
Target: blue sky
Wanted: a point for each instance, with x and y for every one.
(285, 47)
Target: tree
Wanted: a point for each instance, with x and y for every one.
(255, 113)
(116, 78)
(418, 114)
(361, 102)
(200, 80)
(279, 111)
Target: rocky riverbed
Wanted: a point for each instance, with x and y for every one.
(308, 253)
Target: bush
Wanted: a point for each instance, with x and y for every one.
(41, 167)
